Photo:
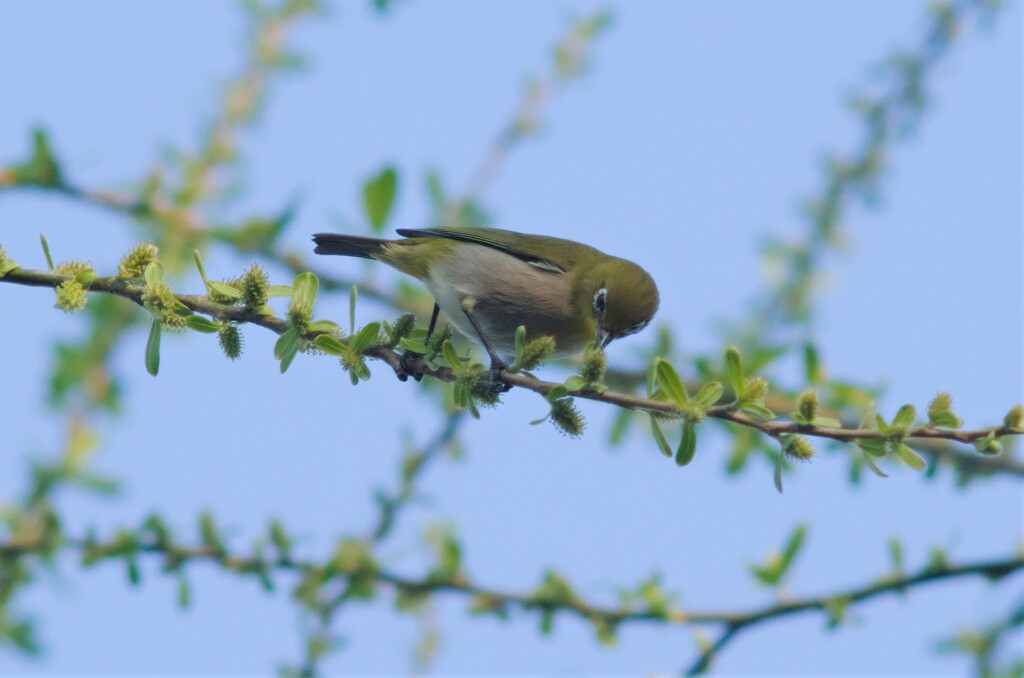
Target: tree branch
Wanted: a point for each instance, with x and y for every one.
(729, 413)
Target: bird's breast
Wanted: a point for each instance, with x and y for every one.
(506, 292)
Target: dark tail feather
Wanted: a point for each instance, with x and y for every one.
(347, 245)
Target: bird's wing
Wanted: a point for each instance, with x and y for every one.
(506, 241)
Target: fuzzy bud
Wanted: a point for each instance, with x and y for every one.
(942, 402)
(566, 418)
(159, 300)
(437, 341)
(808, 405)
(755, 389)
(483, 392)
(6, 265)
(133, 264)
(1014, 419)
(255, 287)
(536, 351)
(230, 339)
(595, 364)
(70, 296)
(401, 328)
(799, 448)
(300, 317)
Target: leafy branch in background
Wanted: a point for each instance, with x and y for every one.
(173, 206)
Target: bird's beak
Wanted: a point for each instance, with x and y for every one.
(603, 338)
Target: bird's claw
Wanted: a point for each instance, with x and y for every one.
(496, 383)
(407, 366)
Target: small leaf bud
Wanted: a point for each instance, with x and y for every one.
(755, 389)
(536, 351)
(1014, 419)
(401, 328)
(799, 448)
(567, 418)
(230, 339)
(133, 264)
(942, 402)
(6, 265)
(71, 296)
(254, 287)
(808, 405)
(594, 366)
(159, 300)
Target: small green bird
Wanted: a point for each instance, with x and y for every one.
(488, 282)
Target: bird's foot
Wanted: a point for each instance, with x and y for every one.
(497, 384)
(407, 365)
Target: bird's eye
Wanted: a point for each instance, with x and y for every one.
(599, 300)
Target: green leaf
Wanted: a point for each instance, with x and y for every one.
(184, 593)
(199, 265)
(285, 342)
(451, 357)
(556, 392)
(904, 418)
(946, 420)
(288, 356)
(365, 338)
(709, 394)
(734, 366)
(279, 291)
(86, 277)
(520, 341)
(154, 272)
(882, 426)
(413, 346)
(778, 472)
(871, 465)
(827, 422)
(304, 290)
(670, 382)
(201, 323)
(222, 289)
(575, 383)
(812, 366)
(792, 548)
(329, 344)
(759, 411)
(324, 326)
(352, 296)
(46, 251)
(687, 444)
(911, 458)
(876, 448)
(659, 437)
(153, 348)
(896, 554)
(379, 196)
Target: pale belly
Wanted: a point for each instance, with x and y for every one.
(507, 292)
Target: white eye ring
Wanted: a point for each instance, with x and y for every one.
(599, 300)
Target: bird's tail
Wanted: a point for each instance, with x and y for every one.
(348, 245)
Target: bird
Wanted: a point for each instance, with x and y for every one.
(489, 281)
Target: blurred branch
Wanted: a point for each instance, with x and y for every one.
(887, 117)
(568, 63)
(354, 567)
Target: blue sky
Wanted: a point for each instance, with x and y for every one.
(698, 131)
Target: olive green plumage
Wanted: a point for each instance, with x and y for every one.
(499, 280)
